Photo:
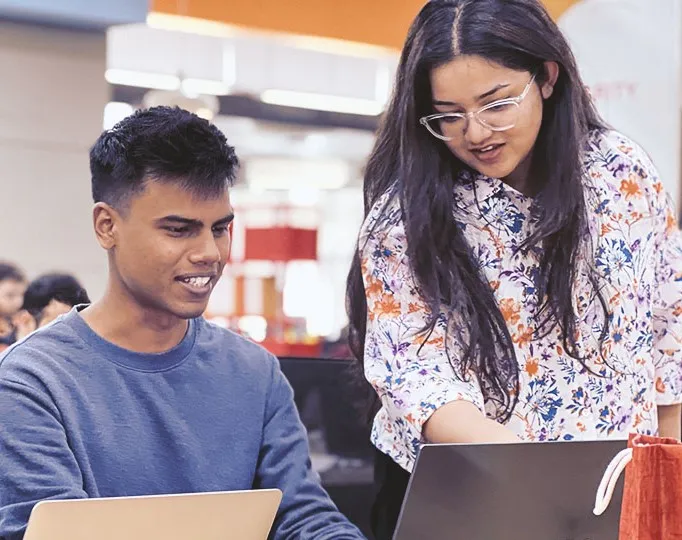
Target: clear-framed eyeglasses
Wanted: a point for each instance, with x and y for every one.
(499, 115)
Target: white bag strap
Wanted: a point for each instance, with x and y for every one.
(609, 480)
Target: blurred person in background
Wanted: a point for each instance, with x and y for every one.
(137, 394)
(46, 298)
(519, 271)
(12, 287)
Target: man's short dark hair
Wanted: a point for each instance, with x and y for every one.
(61, 287)
(11, 272)
(165, 144)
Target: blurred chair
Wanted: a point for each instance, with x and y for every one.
(332, 401)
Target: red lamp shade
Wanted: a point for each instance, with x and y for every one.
(280, 244)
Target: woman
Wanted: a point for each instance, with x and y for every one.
(519, 272)
(12, 287)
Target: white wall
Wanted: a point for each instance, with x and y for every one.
(52, 98)
(629, 54)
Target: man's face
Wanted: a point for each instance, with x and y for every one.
(51, 311)
(169, 248)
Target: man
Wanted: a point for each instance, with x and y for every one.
(46, 298)
(137, 394)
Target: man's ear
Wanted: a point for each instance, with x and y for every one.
(105, 219)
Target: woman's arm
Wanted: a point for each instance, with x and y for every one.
(424, 395)
(463, 422)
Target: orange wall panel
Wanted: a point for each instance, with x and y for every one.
(375, 22)
(557, 7)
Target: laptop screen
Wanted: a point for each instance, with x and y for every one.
(514, 491)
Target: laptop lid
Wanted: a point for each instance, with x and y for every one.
(513, 491)
(235, 515)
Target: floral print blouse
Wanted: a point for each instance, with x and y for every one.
(637, 255)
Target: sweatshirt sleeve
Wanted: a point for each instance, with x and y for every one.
(306, 510)
(36, 462)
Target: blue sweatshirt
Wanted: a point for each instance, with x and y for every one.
(81, 417)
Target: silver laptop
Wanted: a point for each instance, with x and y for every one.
(234, 515)
(524, 491)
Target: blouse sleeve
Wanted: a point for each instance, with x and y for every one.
(409, 369)
(667, 294)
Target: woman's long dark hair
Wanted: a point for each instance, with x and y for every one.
(421, 171)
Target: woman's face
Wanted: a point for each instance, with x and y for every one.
(468, 83)
(11, 296)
